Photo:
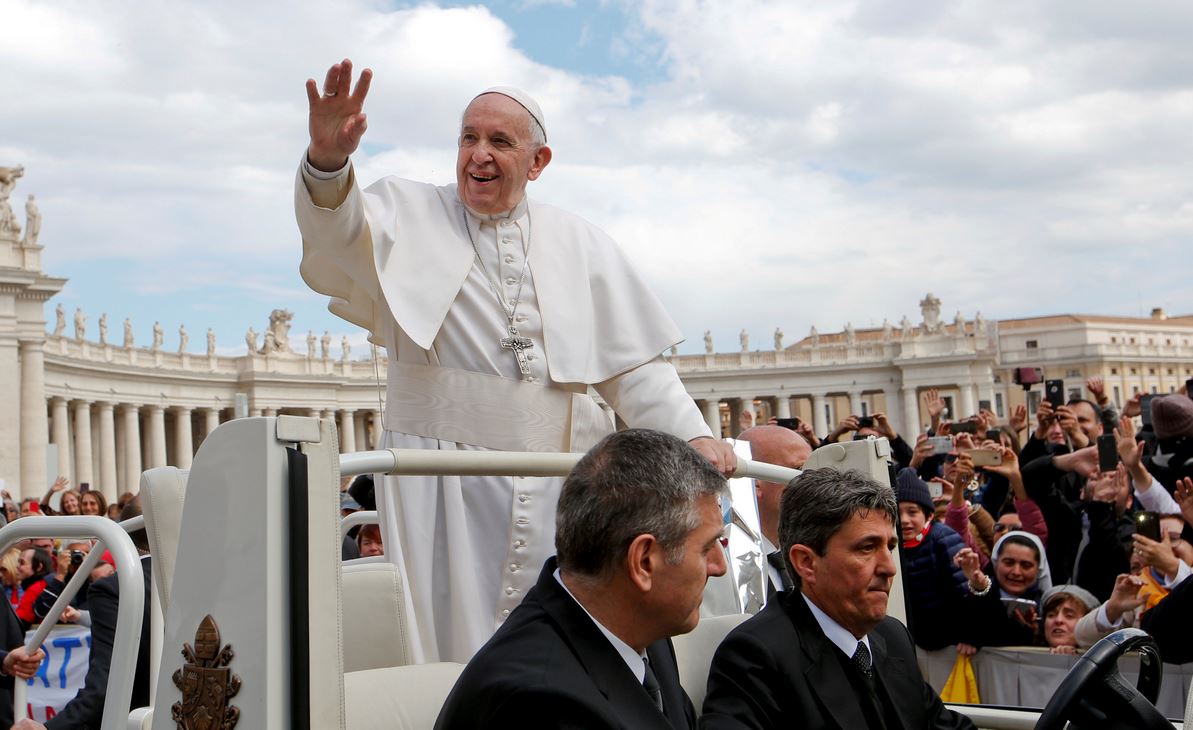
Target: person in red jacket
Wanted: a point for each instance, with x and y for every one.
(33, 567)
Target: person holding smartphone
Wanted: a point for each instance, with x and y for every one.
(1002, 601)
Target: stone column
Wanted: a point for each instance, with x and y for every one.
(83, 472)
(911, 414)
(107, 451)
(378, 430)
(156, 426)
(347, 432)
(132, 448)
(966, 406)
(855, 403)
(362, 433)
(34, 422)
(782, 406)
(211, 420)
(184, 447)
(893, 412)
(819, 422)
(61, 427)
(735, 408)
(712, 416)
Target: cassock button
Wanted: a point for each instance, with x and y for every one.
(514, 567)
(510, 590)
(520, 318)
(509, 259)
(524, 498)
(507, 240)
(522, 521)
(505, 612)
(509, 280)
(519, 544)
(532, 379)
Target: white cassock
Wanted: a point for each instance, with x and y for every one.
(397, 260)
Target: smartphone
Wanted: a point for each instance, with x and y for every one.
(964, 427)
(995, 435)
(84, 487)
(941, 444)
(865, 421)
(1022, 605)
(984, 457)
(984, 405)
(791, 423)
(1054, 393)
(1148, 525)
(1145, 409)
(1107, 452)
(1027, 376)
(935, 490)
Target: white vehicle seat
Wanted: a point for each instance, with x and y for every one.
(375, 626)
(163, 491)
(694, 650)
(398, 698)
(1189, 709)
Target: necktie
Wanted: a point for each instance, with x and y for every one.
(861, 660)
(651, 685)
(776, 561)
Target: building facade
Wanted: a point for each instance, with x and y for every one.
(99, 410)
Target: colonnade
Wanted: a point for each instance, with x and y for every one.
(107, 444)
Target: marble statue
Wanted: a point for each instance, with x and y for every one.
(905, 327)
(279, 325)
(979, 326)
(250, 339)
(128, 333)
(269, 344)
(103, 328)
(159, 336)
(80, 324)
(708, 342)
(345, 349)
(814, 335)
(888, 330)
(778, 339)
(183, 339)
(850, 334)
(930, 310)
(325, 344)
(310, 344)
(210, 342)
(744, 337)
(32, 221)
(959, 324)
(8, 181)
(59, 320)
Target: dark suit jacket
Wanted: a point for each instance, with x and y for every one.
(11, 636)
(87, 707)
(549, 666)
(779, 670)
(1168, 623)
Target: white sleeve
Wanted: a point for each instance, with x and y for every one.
(1103, 620)
(1156, 498)
(652, 396)
(327, 189)
(1183, 571)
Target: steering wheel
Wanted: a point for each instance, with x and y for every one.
(1095, 694)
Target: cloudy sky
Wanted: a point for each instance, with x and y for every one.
(766, 164)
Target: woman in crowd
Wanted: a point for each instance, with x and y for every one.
(1063, 607)
(70, 503)
(93, 503)
(1002, 601)
(10, 576)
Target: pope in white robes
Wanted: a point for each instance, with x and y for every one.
(497, 313)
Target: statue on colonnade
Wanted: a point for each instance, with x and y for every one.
(59, 320)
(103, 328)
(32, 221)
(8, 181)
(159, 336)
(250, 339)
(708, 341)
(128, 333)
(310, 344)
(183, 339)
(778, 339)
(930, 310)
(80, 324)
(210, 342)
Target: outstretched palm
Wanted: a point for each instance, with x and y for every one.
(337, 121)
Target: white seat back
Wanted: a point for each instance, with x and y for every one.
(163, 491)
(375, 627)
(694, 650)
(398, 698)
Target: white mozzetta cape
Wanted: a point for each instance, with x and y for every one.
(402, 244)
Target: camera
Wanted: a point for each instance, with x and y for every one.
(76, 558)
(865, 422)
(1027, 377)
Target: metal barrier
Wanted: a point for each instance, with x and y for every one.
(360, 517)
(114, 538)
(425, 462)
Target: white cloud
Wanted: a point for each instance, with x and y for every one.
(797, 163)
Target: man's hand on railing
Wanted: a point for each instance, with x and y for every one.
(19, 663)
(28, 724)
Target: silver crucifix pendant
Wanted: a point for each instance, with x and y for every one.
(519, 345)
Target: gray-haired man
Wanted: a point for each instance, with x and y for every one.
(637, 531)
(825, 655)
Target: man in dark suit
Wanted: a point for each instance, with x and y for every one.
(637, 535)
(824, 655)
(780, 445)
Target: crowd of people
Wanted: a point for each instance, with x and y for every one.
(1018, 536)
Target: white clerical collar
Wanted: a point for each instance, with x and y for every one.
(841, 637)
(635, 661)
(512, 214)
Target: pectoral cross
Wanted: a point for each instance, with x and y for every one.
(519, 345)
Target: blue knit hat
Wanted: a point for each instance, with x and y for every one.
(910, 488)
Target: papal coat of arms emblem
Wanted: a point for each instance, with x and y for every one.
(206, 683)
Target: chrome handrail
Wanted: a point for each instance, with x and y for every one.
(114, 538)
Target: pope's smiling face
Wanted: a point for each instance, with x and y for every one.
(497, 154)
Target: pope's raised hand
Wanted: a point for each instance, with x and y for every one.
(337, 121)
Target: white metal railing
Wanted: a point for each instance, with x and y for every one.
(425, 462)
(360, 517)
(114, 538)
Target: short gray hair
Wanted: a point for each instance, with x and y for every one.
(538, 137)
(818, 502)
(632, 483)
